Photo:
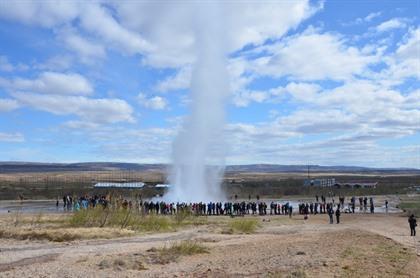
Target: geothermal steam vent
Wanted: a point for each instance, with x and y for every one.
(198, 151)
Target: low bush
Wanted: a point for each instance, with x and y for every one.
(63, 234)
(127, 219)
(244, 225)
(177, 249)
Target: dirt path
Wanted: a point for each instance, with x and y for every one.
(75, 249)
(279, 247)
(28, 261)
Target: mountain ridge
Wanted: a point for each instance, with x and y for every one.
(19, 167)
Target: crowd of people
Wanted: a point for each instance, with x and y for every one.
(320, 206)
(71, 203)
(238, 208)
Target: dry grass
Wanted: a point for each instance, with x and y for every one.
(53, 227)
(121, 264)
(63, 234)
(129, 219)
(120, 218)
(242, 226)
(386, 257)
(169, 254)
(164, 255)
(411, 205)
(90, 224)
(297, 273)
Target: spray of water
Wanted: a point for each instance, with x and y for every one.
(198, 150)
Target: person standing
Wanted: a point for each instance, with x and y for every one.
(372, 206)
(337, 215)
(413, 224)
(365, 204)
(331, 214)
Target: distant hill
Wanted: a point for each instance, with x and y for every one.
(274, 168)
(21, 167)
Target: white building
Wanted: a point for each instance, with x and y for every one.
(119, 185)
(320, 182)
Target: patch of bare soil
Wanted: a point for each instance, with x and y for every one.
(339, 253)
(28, 261)
(364, 246)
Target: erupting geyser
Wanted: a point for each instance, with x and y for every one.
(198, 150)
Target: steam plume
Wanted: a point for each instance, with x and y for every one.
(198, 154)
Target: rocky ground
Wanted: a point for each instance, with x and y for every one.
(363, 245)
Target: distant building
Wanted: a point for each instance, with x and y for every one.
(415, 188)
(119, 185)
(163, 185)
(320, 182)
(356, 185)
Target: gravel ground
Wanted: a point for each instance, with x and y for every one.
(363, 245)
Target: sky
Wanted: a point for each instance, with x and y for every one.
(311, 82)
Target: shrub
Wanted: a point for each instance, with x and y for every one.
(181, 216)
(152, 223)
(245, 226)
(177, 249)
(121, 218)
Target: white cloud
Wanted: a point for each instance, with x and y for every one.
(395, 23)
(245, 23)
(92, 17)
(303, 91)
(401, 64)
(5, 65)
(353, 103)
(99, 111)
(371, 16)
(86, 49)
(55, 63)
(116, 143)
(160, 31)
(11, 137)
(410, 49)
(332, 151)
(244, 97)
(350, 140)
(253, 23)
(51, 83)
(325, 121)
(313, 56)
(342, 122)
(365, 19)
(360, 107)
(44, 13)
(180, 80)
(155, 102)
(81, 125)
(300, 91)
(97, 19)
(7, 105)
